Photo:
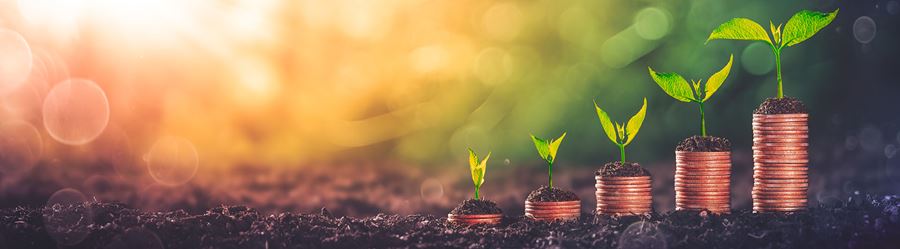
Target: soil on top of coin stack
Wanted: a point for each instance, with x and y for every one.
(786, 105)
(622, 169)
(547, 194)
(472, 206)
(704, 144)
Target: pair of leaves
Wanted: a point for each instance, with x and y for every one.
(677, 87)
(477, 167)
(618, 133)
(799, 28)
(547, 148)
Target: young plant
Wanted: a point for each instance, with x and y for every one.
(620, 134)
(547, 148)
(697, 92)
(801, 26)
(477, 168)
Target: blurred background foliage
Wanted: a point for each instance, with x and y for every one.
(294, 83)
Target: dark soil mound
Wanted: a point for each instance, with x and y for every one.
(552, 194)
(860, 222)
(472, 206)
(786, 105)
(622, 169)
(704, 144)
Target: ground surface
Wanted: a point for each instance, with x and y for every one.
(859, 222)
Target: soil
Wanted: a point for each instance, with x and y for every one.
(704, 144)
(472, 206)
(786, 105)
(622, 169)
(860, 222)
(552, 194)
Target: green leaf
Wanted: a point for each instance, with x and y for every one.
(543, 147)
(477, 168)
(554, 146)
(673, 84)
(634, 124)
(804, 25)
(607, 124)
(776, 32)
(620, 128)
(715, 81)
(740, 29)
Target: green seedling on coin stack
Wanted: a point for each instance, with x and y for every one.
(622, 134)
(547, 148)
(478, 168)
(801, 26)
(697, 92)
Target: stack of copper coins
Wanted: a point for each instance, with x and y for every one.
(624, 195)
(702, 181)
(553, 210)
(780, 158)
(473, 219)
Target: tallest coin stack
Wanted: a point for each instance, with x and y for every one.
(780, 159)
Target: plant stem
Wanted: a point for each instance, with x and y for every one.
(622, 151)
(702, 120)
(777, 52)
(550, 173)
(476, 193)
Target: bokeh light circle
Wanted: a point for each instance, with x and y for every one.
(652, 23)
(67, 217)
(432, 190)
(757, 59)
(893, 7)
(16, 62)
(493, 66)
(172, 161)
(890, 150)
(864, 29)
(642, 234)
(503, 21)
(75, 111)
(870, 139)
(20, 147)
(136, 238)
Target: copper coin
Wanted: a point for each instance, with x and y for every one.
(779, 140)
(763, 123)
(624, 207)
(703, 182)
(780, 181)
(635, 191)
(799, 116)
(716, 192)
(702, 166)
(624, 182)
(575, 207)
(773, 150)
(781, 205)
(701, 197)
(552, 211)
(624, 202)
(702, 153)
(780, 186)
(624, 198)
(622, 178)
(702, 204)
(778, 209)
(623, 212)
(783, 171)
(616, 187)
(780, 132)
(780, 128)
(710, 177)
(705, 173)
(724, 157)
(551, 215)
(553, 203)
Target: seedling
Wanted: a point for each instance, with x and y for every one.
(620, 134)
(547, 148)
(477, 168)
(697, 92)
(801, 26)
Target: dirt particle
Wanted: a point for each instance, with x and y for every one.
(472, 206)
(704, 144)
(786, 105)
(551, 194)
(622, 169)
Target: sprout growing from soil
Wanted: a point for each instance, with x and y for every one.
(676, 86)
(477, 168)
(547, 148)
(801, 26)
(622, 134)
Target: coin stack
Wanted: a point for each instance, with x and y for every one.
(780, 158)
(553, 210)
(472, 219)
(624, 195)
(702, 181)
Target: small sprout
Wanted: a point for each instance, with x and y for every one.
(477, 168)
(620, 134)
(547, 149)
(800, 27)
(697, 92)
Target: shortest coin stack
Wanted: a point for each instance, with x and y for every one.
(780, 158)
(553, 210)
(702, 181)
(472, 219)
(624, 195)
